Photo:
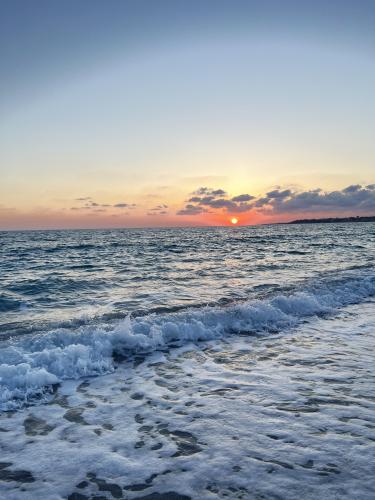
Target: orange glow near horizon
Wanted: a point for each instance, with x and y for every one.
(140, 216)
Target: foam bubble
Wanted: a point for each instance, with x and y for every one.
(30, 365)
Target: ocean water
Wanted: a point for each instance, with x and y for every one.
(188, 363)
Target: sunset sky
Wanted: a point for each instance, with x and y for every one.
(124, 113)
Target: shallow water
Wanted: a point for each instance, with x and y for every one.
(282, 416)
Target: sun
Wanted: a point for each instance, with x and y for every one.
(234, 220)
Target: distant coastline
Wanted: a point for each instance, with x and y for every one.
(327, 220)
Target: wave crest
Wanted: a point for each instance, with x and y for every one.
(31, 365)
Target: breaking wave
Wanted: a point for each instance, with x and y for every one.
(31, 366)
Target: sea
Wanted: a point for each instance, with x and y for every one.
(188, 363)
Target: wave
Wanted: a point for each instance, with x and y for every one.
(10, 303)
(30, 366)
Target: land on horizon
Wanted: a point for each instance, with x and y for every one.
(357, 218)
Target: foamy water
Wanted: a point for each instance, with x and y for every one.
(195, 363)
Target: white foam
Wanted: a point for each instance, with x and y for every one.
(287, 416)
(29, 365)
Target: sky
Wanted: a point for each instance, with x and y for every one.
(129, 113)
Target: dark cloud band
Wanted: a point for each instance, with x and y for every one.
(354, 198)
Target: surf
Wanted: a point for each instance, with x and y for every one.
(32, 365)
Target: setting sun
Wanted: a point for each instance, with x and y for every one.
(234, 220)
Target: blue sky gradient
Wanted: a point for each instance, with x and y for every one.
(141, 100)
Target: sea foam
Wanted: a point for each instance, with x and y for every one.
(31, 365)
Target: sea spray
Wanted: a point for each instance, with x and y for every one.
(30, 365)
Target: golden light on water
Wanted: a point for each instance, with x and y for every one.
(234, 220)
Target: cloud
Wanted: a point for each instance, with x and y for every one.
(90, 203)
(125, 205)
(162, 212)
(280, 194)
(216, 199)
(208, 191)
(217, 203)
(243, 197)
(192, 210)
(352, 198)
(160, 207)
(158, 210)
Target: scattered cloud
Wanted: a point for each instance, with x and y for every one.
(124, 205)
(353, 198)
(204, 198)
(160, 207)
(208, 191)
(192, 210)
(91, 204)
(162, 212)
(86, 207)
(243, 198)
(158, 210)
